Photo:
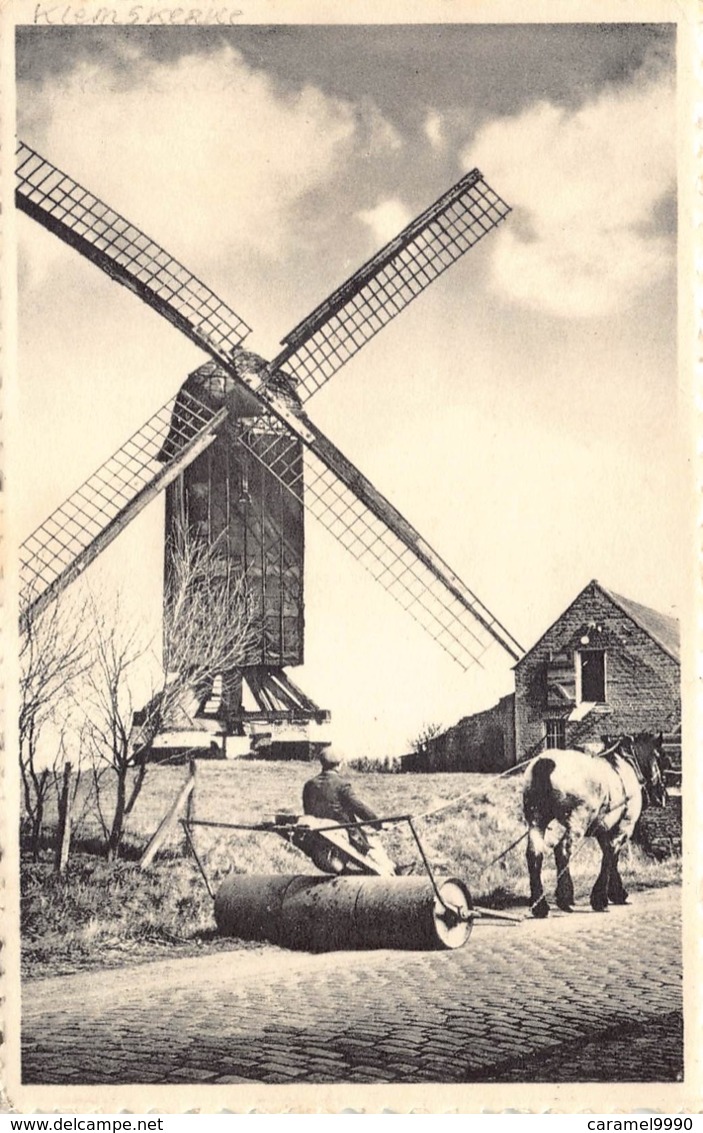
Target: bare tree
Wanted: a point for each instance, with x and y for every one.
(109, 710)
(210, 621)
(428, 732)
(54, 655)
(208, 630)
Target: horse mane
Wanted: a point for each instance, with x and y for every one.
(612, 753)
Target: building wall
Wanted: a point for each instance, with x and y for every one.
(482, 742)
(659, 828)
(642, 681)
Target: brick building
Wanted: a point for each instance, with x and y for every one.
(484, 741)
(607, 665)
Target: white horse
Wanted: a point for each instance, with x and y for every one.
(598, 796)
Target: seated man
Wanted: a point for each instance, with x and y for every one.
(329, 797)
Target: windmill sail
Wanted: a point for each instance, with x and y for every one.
(73, 214)
(87, 522)
(383, 541)
(387, 283)
(363, 513)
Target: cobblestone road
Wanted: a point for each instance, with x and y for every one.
(587, 997)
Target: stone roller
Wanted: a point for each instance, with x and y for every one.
(324, 914)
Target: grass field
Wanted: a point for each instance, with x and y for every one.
(111, 913)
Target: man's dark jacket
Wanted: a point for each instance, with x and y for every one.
(330, 796)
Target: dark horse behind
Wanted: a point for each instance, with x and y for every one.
(599, 796)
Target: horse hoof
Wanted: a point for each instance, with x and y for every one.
(599, 908)
(565, 907)
(541, 909)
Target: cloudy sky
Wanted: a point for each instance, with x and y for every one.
(523, 413)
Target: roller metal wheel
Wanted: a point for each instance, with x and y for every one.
(453, 915)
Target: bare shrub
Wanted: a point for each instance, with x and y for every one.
(55, 653)
(208, 629)
(383, 765)
(421, 742)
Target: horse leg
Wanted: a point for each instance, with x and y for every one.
(565, 886)
(535, 857)
(617, 893)
(599, 893)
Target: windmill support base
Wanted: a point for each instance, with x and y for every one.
(254, 711)
(271, 717)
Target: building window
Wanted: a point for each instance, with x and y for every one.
(556, 734)
(592, 664)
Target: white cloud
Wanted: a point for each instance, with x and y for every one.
(199, 138)
(381, 134)
(434, 130)
(386, 219)
(584, 185)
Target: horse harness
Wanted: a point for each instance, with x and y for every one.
(631, 759)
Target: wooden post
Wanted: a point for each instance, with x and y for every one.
(63, 840)
(190, 803)
(159, 835)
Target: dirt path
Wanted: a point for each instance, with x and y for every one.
(584, 997)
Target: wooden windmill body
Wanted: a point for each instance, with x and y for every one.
(239, 458)
(227, 498)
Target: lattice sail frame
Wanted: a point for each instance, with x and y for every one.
(80, 219)
(332, 334)
(386, 284)
(60, 547)
(393, 564)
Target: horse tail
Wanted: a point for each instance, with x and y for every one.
(537, 798)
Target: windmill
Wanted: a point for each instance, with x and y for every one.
(237, 454)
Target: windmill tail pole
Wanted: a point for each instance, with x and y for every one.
(159, 836)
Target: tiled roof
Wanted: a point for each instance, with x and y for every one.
(660, 627)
